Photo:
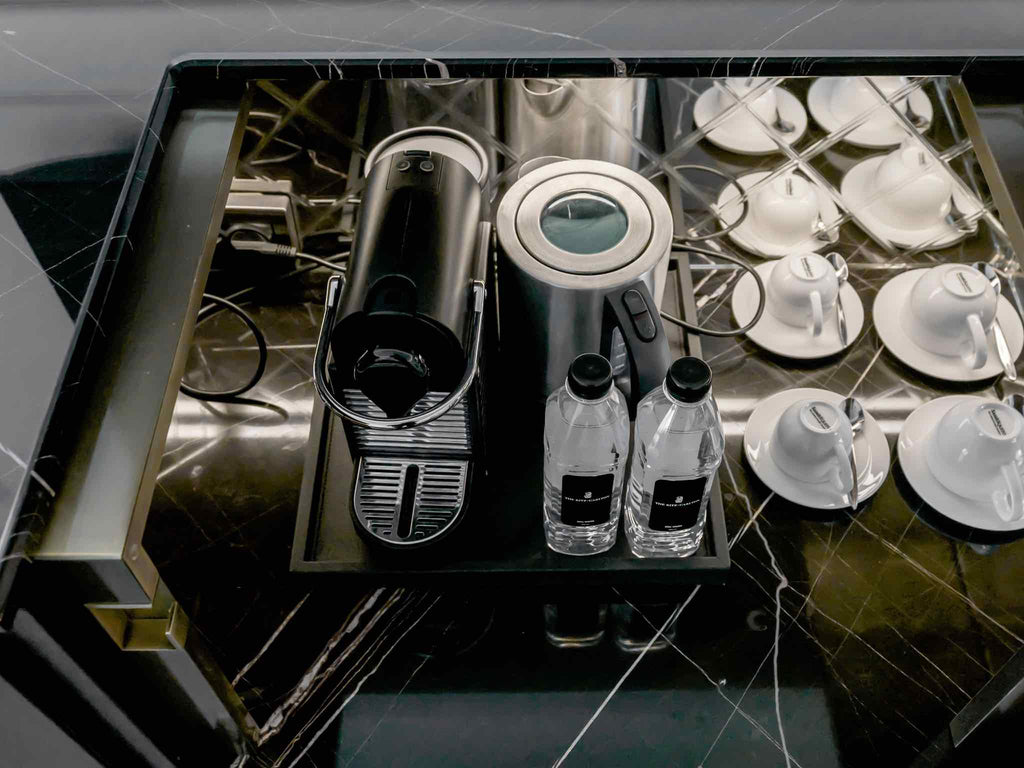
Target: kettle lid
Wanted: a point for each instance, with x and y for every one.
(585, 218)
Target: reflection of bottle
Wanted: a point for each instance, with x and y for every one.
(576, 624)
(586, 442)
(678, 445)
(636, 627)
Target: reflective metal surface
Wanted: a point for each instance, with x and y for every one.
(606, 118)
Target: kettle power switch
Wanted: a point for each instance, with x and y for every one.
(634, 302)
(644, 325)
(639, 314)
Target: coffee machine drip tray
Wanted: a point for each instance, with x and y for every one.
(401, 501)
(411, 484)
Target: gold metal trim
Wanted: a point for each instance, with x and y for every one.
(990, 169)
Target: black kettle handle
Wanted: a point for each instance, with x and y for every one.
(633, 311)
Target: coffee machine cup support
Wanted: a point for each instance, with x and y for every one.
(321, 377)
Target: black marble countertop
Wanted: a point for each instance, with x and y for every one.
(854, 639)
(839, 639)
(79, 79)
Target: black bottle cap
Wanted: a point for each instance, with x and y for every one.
(590, 376)
(688, 379)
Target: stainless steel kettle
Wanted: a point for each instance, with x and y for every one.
(583, 254)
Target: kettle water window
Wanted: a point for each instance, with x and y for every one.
(584, 222)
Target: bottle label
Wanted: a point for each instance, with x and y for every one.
(587, 499)
(675, 504)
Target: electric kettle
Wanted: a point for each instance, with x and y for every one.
(583, 254)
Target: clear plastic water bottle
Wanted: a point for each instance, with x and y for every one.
(677, 446)
(586, 444)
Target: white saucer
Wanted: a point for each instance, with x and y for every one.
(745, 234)
(886, 313)
(857, 188)
(879, 131)
(786, 340)
(869, 447)
(750, 142)
(917, 430)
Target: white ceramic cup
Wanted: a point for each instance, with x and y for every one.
(914, 188)
(741, 120)
(785, 209)
(975, 451)
(812, 443)
(852, 96)
(801, 289)
(950, 311)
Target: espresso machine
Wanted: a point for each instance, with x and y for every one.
(400, 354)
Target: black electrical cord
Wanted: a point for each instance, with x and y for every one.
(262, 245)
(730, 181)
(685, 248)
(339, 268)
(261, 343)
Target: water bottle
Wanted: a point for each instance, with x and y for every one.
(677, 447)
(586, 444)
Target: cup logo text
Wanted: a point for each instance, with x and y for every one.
(961, 279)
(820, 418)
(993, 416)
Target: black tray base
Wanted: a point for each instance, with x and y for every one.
(501, 541)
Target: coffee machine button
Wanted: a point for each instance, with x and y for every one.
(644, 325)
(634, 302)
(427, 166)
(403, 165)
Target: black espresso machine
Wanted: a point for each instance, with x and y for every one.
(405, 333)
(406, 338)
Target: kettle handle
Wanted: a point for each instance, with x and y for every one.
(320, 375)
(633, 311)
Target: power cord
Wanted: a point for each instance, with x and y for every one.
(686, 248)
(220, 303)
(731, 181)
(261, 344)
(285, 251)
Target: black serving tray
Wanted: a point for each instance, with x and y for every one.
(501, 542)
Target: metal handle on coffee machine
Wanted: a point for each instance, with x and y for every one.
(320, 375)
